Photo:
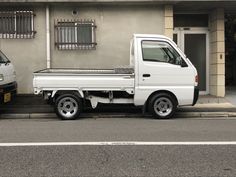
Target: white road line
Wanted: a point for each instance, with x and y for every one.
(209, 118)
(119, 143)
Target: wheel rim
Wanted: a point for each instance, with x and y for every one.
(67, 107)
(163, 106)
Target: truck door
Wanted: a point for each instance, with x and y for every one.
(161, 67)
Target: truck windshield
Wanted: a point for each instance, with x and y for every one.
(3, 58)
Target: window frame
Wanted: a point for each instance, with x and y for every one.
(150, 60)
(16, 33)
(65, 44)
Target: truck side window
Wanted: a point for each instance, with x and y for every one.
(159, 51)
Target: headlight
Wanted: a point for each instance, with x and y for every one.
(1, 77)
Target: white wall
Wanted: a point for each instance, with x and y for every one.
(115, 26)
(27, 55)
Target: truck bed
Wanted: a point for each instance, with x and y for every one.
(59, 71)
(84, 79)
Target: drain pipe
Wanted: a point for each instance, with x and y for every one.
(48, 37)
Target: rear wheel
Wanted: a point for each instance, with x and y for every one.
(68, 106)
(162, 106)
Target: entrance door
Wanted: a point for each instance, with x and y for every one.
(194, 43)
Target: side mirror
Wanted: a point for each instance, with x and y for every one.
(183, 64)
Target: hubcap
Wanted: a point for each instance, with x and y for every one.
(67, 107)
(163, 106)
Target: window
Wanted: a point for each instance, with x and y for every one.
(3, 58)
(158, 51)
(75, 35)
(16, 24)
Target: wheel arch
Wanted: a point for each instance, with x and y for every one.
(57, 93)
(162, 91)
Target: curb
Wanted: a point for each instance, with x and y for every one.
(115, 115)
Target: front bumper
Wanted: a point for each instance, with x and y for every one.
(195, 96)
(7, 92)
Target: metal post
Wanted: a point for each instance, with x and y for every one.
(48, 50)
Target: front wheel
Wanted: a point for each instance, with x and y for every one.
(162, 106)
(68, 107)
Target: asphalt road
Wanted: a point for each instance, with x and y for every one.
(117, 129)
(118, 160)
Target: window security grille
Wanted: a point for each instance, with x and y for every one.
(75, 34)
(17, 24)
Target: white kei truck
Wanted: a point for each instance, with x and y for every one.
(8, 85)
(160, 78)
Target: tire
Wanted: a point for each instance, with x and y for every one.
(162, 105)
(68, 106)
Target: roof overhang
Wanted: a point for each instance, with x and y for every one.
(113, 1)
(179, 5)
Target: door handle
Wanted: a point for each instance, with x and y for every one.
(146, 75)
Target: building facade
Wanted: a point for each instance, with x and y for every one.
(96, 34)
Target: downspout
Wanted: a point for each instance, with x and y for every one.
(48, 50)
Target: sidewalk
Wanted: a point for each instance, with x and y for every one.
(31, 106)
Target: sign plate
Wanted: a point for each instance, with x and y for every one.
(7, 97)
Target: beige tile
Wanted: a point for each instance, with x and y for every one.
(213, 90)
(217, 36)
(217, 68)
(168, 11)
(217, 58)
(217, 47)
(169, 33)
(220, 68)
(213, 69)
(213, 80)
(220, 91)
(217, 91)
(217, 80)
(169, 22)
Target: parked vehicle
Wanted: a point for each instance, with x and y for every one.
(159, 77)
(8, 85)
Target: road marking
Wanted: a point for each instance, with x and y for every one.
(207, 118)
(120, 143)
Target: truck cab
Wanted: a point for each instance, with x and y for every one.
(161, 66)
(8, 85)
